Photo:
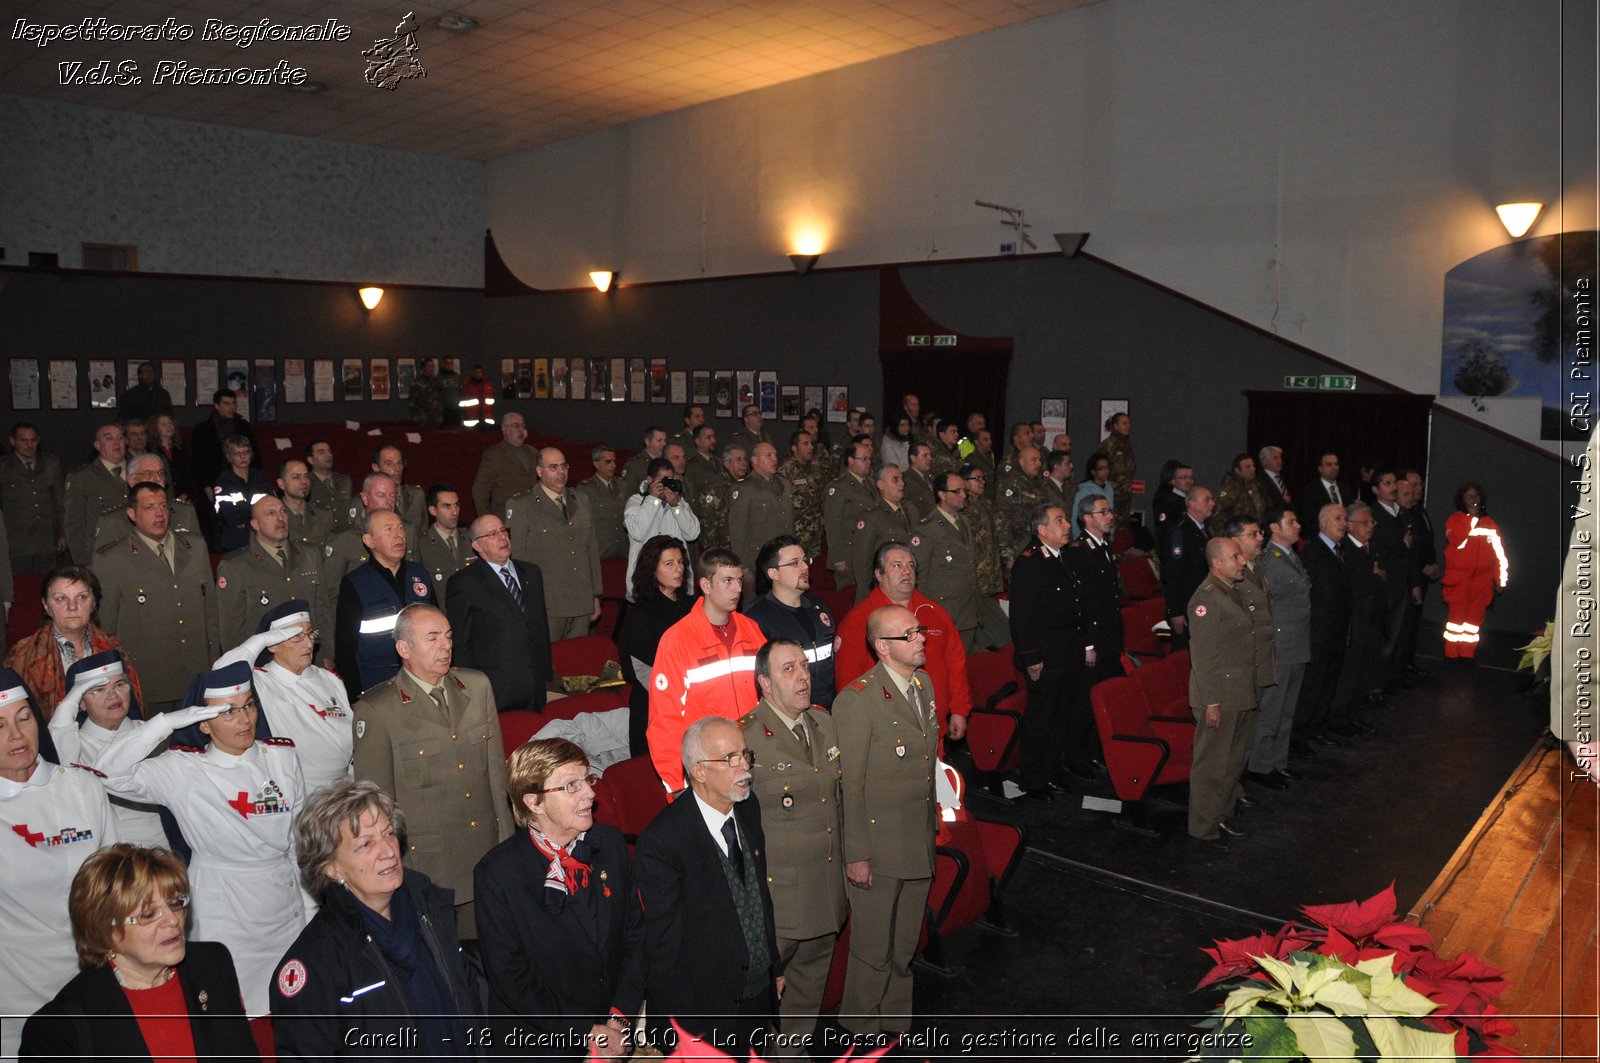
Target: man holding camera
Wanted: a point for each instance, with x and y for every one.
(659, 508)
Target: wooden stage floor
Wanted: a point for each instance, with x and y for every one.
(1522, 892)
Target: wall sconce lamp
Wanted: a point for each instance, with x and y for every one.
(803, 263)
(370, 297)
(1071, 243)
(602, 279)
(1518, 218)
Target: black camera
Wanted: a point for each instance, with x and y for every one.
(673, 484)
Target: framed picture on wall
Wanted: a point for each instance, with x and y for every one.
(541, 378)
(767, 393)
(63, 384)
(679, 387)
(559, 378)
(175, 378)
(638, 380)
(381, 389)
(838, 404)
(1053, 415)
(599, 385)
(701, 386)
(746, 394)
(102, 383)
(578, 378)
(405, 375)
(722, 393)
(131, 370)
(1109, 408)
(264, 390)
(25, 384)
(294, 380)
(812, 397)
(238, 381)
(207, 381)
(508, 378)
(658, 380)
(322, 380)
(354, 380)
(617, 379)
(524, 378)
(789, 405)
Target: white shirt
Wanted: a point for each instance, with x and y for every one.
(136, 822)
(714, 821)
(646, 516)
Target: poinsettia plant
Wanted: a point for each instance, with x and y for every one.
(1353, 982)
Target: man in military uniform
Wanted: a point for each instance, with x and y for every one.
(347, 549)
(607, 495)
(946, 455)
(267, 571)
(1289, 587)
(443, 549)
(947, 567)
(1051, 649)
(920, 479)
(551, 526)
(980, 514)
(694, 416)
(158, 598)
(427, 409)
(95, 489)
(799, 775)
(852, 428)
(759, 509)
(506, 468)
(890, 518)
(983, 457)
(310, 526)
(711, 502)
(703, 464)
(31, 497)
(1119, 446)
(1223, 692)
(888, 740)
(845, 505)
(753, 431)
(1021, 492)
(1021, 438)
(805, 478)
(1240, 494)
(330, 491)
(1253, 594)
(653, 442)
(428, 724)
(1183, 563)
(411, 502)
(1058, 486)
(113, 525)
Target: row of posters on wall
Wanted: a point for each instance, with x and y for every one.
(260, 389)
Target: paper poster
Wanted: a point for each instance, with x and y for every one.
(558, 378)
(578, 379)
(541, 378)
(405, 375)
(658, 380)
(24, 383)
(508, 378)
(702, 386)
(264, 393)
(811, 398)
(722, 393)
(617, 378)
(102, 383)
(767, 393)
(680, 387)
(354, 380)
(790, 404)
(63, 385)
(746, 380)
(294, 380)
(238, 381)
(1053, 415)
(638, 386)
(175, 378)
(322, 381)
(206, 381)
(838, 404)
(380, 380)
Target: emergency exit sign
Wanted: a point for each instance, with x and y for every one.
(1337, 383)
(1294, 382)
(1319, 383)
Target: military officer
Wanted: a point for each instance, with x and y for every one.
(1183, 564)
(694, 416)
(552, 527)
(330, 490)
(799, 775)
(347, 550)
(702, 461)
(31, 495)
(443, 549)
(1289, 585)
(801, 469)
(890, 518)
(920, 479)
(1021, 492)
(1223, 691)
(310, 526)
(711, 501)
(653, 442)
(411, 501)
(265, 572)
(428, 727)
(506, 468)
(753, 432)
(1052, 649)
(983, 457)
(113, 526)
(1021, 438)
(888, 739)
(947, 567)
(1058, 486)
(1253, 592)
(1119, 446)
(759, 509)
(607, 496)
(980, 513)
(946, 453)
(93, 490)
(158, 598)
(845, 505)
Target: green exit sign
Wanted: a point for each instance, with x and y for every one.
(1338, 383)
(1299, 382)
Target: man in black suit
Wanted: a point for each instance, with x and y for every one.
(1392, 542)
(1361, 673)
(558, 916)
(207, 459)
(1323, 558)
(702, 871)
(1094, 567)
(1324, 490)
(1275, 493)
(1424, 559)
(1183, 562)
(1048, 642)
(497, 617)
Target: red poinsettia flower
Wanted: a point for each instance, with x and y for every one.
(1359, 920)
(1237, 957)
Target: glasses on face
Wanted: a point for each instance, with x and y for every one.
(233, 712)
(911, 633)
(952, 490)
(496, 534)
(1098, 512)
(800, 562)
(146, 916)
(313, 635)
(573, 786)
(1359, 520)
(746, 757)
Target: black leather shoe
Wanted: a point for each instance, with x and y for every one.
(1245, 803)
(1299, 748)
(1267, 779)
(1039, 795)
(1082, 771)
(1212, 845)
(1377, 698)
(1230, 831)
(1288, 776)
(1060, 786)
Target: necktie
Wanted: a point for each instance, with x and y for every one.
(914, 695)
(1333, 492)
(511, 585)
(161, 552)
(566, 518)
(730, 834)
(805, 739)
(283, 558)
(437, 694)
(116, 470)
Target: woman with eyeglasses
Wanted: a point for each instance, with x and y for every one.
(101, 704)
(51, 819)
(379, 970)
(70, 595)
(145, 990)
(559, 922)
(300, 700)
(235, 799)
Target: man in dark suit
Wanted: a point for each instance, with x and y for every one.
(1048, 644)
(207, 459)
(1100, 588)
(1324, 490)
(1275, 493)
(1424, 558)
(496, 610)
(1362, 671)
(1183, 562)
(1323, 558)
(558, 916)
(1392, 541)
(702, 869)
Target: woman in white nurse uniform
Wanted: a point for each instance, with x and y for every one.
(51, 818)
(235, 802)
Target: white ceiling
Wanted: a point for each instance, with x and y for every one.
(533, 73)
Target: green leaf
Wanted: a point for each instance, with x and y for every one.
(1403, 1044)
(1322, 1038)
(1268, 1037)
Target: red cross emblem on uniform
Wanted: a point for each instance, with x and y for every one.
(243, 804)
(27, 835)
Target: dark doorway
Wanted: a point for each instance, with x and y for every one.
(1364, 430)
(952, 382)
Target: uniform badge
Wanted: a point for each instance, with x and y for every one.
(419, 588)
(352, 511)
(916, 540)
(1161, 518)
(204, 998)
(265, 600)
(826, 622)
(222, 583)
(949, 557)
(1008, 492)
(832, 490)
(711, 500)
(1199, 610)
(140, 599)
(734, 496)
(661, 680)
(328, 549)
(788, 800)
(833, 753)
(361, 728)
(860, 525)
(1177, 551)
(291, 978)
(899, 751)
(437, 576)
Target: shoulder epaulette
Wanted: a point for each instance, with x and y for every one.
(1029, 552)
(287, 743)
(92, 771)
(186, 749)
(860, 683)
(746, 720)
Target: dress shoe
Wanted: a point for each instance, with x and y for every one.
(1377, 697)
(1212, 845)
(1044, 795)
(1230, 831)
(1419, 673)
(1346, 731)
(1301, 748)
(1060, 786)
(1267, 779)
(1288, 776)
(1326, 739)
(1097, 764)
(1245, 803)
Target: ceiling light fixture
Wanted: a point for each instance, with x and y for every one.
(370, 297)
(602, 278)
(1071, 243)
(1518, 218)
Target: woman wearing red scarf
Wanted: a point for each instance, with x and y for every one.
(71, 595)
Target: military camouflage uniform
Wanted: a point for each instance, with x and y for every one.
(807, 483)
(1120, 448)
(427, 404)
(944, 460)
(711, 506)
(1020, 495)
(991, 572)
(1237, 497)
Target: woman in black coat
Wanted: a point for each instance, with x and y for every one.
(145, 991)
(661, 598)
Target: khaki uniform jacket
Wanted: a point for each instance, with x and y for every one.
(699, 470)
(758, 510)
(879, 526)
(343, 554)
(91, 493)
(749, 440)
(439, 558)
(1222, 650)
(33, 501)
(606, 505)
(633, 471)
(114, 525)
(310, 530)
(412, 505)
(890, 814)
(919, 491)
(447, 772)
(1257, 599)
(502, 476)
(7, 579)
(845, 505)
(166, 620)
(250, 582)
(947, 567)
(333, 495)
(567, 551)
(799, 793)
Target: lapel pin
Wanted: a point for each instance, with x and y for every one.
(203, 997)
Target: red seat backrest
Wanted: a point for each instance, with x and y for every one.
(1139, 580)
(1137, 621)
(1165, 682)
(583, 656)
(519, 725)
(613, 577)
(638, 792)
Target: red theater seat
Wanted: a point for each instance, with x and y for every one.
(999, 698)
(638, 794)
(583, 656)
(1142, 749)
(1139, 580)
(1138, 620)
(517, 726)
(1165, 682)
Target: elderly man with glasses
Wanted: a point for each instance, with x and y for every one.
(496, 609)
